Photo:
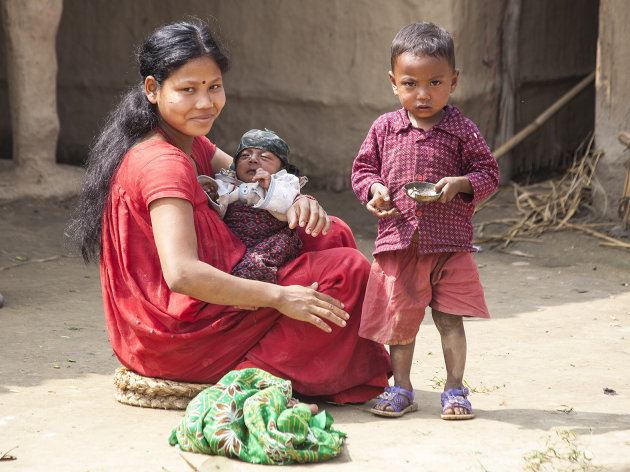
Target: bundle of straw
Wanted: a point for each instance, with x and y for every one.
(550, 205)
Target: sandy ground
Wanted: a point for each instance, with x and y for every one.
(559, 336)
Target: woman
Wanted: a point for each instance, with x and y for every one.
(172, 309)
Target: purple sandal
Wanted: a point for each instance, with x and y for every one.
(453, 398)
(399, 399)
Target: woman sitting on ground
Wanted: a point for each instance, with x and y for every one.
(172, 308)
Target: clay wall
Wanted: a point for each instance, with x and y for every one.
(316, 72)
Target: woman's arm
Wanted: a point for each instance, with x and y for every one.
(176, 241)
(221, 160)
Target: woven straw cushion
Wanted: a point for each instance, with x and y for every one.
(137, 390)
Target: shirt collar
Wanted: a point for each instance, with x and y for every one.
(449, 123)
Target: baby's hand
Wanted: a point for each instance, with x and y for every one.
(211, 191)
(380, 205)
(262, 177)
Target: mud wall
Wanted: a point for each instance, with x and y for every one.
(316, 72)
(318, 75)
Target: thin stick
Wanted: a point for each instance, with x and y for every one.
(528, 240)
(5, 456)
(190, 464)
(544, 116)
(617, 244)
(34, 261)
(499, 221)
(603, 236)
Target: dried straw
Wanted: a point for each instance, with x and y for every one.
(148, 392)
(550, 205)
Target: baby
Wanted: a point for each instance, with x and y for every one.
(253, 199)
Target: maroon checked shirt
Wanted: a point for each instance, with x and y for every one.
(395, 153)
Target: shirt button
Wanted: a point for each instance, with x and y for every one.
(419, 213)
(419, 177)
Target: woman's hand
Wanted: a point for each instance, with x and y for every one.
(309, 305)
(380, 204)
(306, 211)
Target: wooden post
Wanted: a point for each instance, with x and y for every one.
(30, 31)
(624, 205)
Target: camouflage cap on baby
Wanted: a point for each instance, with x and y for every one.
(267, 140)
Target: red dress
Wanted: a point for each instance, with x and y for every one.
(160, 333)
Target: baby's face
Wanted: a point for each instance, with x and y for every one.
(251, 159)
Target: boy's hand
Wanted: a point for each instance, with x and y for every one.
(451, 186)
(262, 177)
(380, 205)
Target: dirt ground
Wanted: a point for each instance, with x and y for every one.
(559, 336)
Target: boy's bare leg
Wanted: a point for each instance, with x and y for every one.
(402, 357)
(451, 328)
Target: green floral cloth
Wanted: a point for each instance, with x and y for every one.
(245, 415)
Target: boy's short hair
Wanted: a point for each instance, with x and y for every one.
(424, 39)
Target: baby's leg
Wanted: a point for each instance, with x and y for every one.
(402, 357)
(451, 328)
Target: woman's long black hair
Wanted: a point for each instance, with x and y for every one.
(167, 49)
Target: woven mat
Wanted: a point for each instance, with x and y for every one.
(148, 392)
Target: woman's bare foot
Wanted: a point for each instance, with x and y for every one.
(311, 406)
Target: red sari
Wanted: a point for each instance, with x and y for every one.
(160, 333)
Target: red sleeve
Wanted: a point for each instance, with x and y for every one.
(170, 174)
(481, 168)
(366, 168)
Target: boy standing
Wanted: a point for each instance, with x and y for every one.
(422, 256)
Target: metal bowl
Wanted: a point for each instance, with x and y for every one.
(422, 191)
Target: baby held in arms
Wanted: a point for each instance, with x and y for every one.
(253, 197)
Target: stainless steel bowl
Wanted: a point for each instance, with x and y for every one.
(422, 191)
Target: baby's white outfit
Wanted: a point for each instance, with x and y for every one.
(277, 200)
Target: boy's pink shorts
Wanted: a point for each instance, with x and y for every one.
(403, 283)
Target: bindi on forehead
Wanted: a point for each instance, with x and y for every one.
(203, 82)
